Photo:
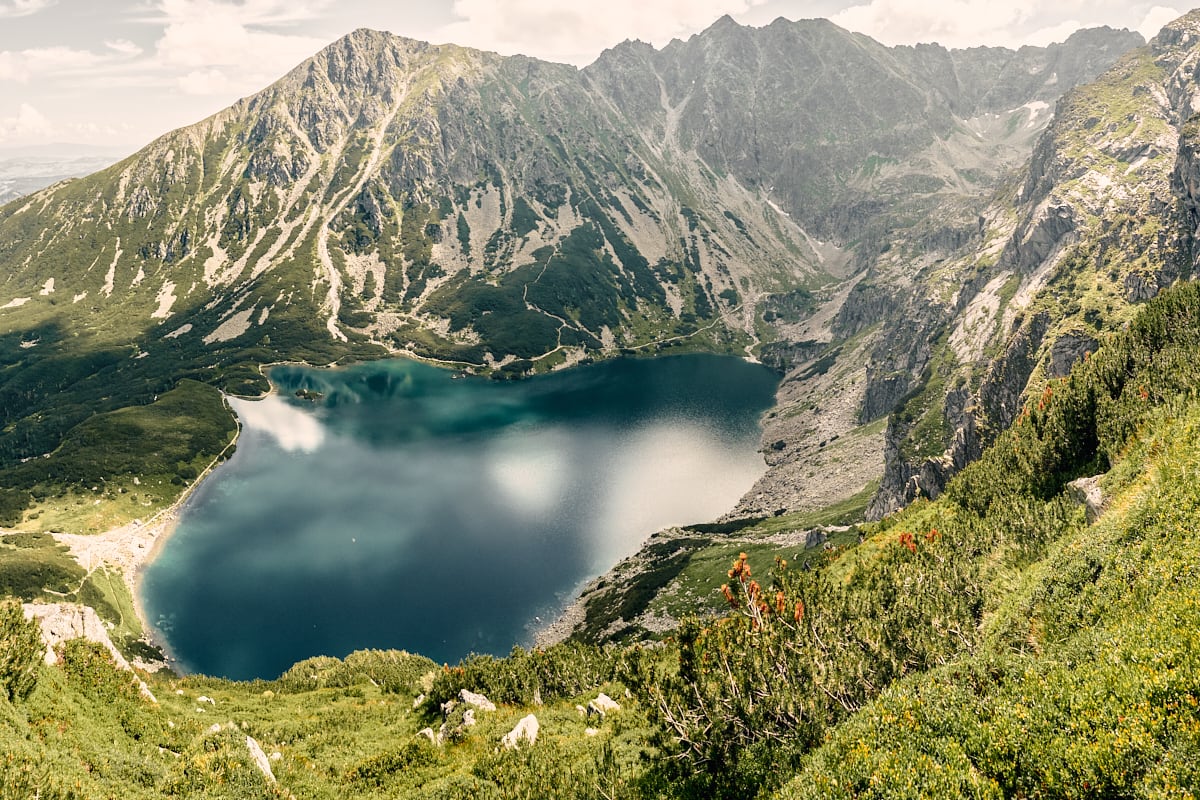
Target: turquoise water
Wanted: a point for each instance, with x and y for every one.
(409, 509)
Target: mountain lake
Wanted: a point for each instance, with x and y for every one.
(408, 507)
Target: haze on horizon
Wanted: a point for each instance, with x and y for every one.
(118, 74)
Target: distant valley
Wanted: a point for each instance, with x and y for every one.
(25, 170)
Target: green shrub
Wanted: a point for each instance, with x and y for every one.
(21, 652)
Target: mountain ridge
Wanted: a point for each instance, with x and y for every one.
(392, 196)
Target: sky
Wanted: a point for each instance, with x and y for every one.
(115, 74)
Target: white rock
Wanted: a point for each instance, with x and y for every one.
(260, 758)
(417, 701)
(477, 700)
(526, 729)
(590, 732)
(468, 718)
(429, 734)
(605, 703)
(204, 699)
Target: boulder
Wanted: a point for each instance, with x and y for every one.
(477, 700)
(601, 706)
(525, 730)
(1087, 493)
(260, 758)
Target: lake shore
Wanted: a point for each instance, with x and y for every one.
(131, 547)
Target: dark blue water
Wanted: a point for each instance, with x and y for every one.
(407, 509)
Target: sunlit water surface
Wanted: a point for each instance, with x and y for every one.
(409, 509)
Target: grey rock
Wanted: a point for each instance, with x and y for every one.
(1067, 351)
(477, 700)
(1087, 493)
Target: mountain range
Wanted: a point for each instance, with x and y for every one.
(973, 269)
(775, 191)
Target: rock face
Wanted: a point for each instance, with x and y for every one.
(1106, 217)
(61, 622)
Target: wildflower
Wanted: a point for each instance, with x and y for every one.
(799, 615)
(780, 602)
(728, 595)
(907, 540)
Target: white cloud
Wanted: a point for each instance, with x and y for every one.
(28, 124)
(206, 82)
(123, 47)
(23, 8)
(229, 48)
(21, 65)
(965, 23)
(578, 32)
(952, 23)
(1156, 18)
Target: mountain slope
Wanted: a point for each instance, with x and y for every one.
(1098, 226)
(389, 196)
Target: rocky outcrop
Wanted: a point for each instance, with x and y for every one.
(59, 623)
(479, 701)
(62, 622)
(1067, 351)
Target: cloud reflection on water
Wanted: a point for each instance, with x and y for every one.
(292, 428)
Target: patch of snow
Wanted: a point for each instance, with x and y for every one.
(15, 303)
(48, 289)
(266, 312)
(137, 279)
(230, 329)
(180, 331)
(111, 275)
(79, 297)
(166, 299)
(30, 344)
